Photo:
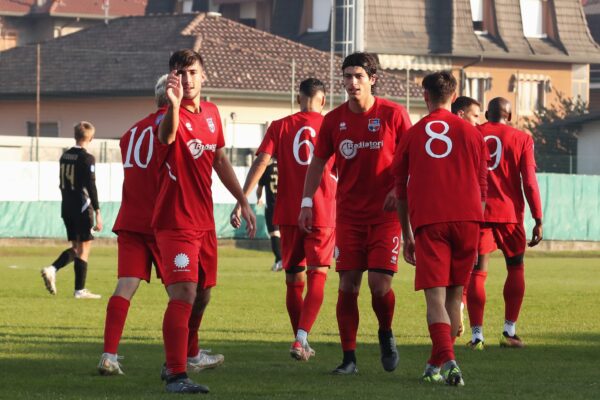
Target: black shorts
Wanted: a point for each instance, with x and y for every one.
(79, 226)
(269, 220)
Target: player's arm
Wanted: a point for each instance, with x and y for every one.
(167, 129)
(226, 174)
(259, 165)
(532, 191)
(400, 172)
(408, 247)
(314, 174)
(89, 182)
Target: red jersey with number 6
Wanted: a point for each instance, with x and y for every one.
(511, 153)
(140, 175)
(291, 140)
(446, 160)
(364, 146)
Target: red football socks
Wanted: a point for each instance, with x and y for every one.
(347, 317)
(476, 297)
(514, 291)
(312, 300)
(442, 350)
(384, 309)
(175, 335)
(293, 302)
(116, 314)
(193, 326)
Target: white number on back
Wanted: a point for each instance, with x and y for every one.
(438, 136)
(298, 143)
(396, 242)
(135, 145)
(497, 154)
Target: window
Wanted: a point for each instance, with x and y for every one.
(477, 15)
(187, 6)
(475, 87)
(532, 17)
(579, 81)
(321, 13)
(47, 129)
(531, 95)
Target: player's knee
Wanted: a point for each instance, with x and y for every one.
(515, 261)
(183, 292)
(126, 287)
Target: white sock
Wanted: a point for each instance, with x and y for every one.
(510, 327)
(477, 333)
(302, 336)
(53, 268)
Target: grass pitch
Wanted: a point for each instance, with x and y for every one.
(50, 345)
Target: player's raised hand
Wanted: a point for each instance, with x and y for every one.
(536, 235)
(235, 218)
(174, 88)
(391, 201)
(408, 251)
(305, 219)
(250, 219)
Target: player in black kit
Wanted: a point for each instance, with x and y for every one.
(79, 204)
(268, 180)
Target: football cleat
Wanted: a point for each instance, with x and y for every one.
(432, 375)
(452, 375)
(109, 365)
(185, 385)
(49, 277)
(86, 294)
(511, 341)
(345, 368)
(477, 344)
(300, 352)
(204, 360)
(389, 352)
(277, 266)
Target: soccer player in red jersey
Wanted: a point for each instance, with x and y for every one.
(137, 248)
(512, 165)
(306, 255)
(446, 160)
(192, 146)
(363, 134)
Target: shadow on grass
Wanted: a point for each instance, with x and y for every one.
(50, 368)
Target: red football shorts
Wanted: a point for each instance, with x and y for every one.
(446, 253)
(364, 247)
(188, 256)
(136, 253)
(299, 249)
(509, 238)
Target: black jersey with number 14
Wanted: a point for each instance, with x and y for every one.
(77, 182)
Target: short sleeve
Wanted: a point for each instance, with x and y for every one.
(324, 146)
(269, 144)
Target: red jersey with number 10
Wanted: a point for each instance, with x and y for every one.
(185, 194)
(140, 175)
(364, 146)
(291, 140)
(446, 160)
(511, 153)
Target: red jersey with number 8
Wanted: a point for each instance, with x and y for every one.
(140, 175)
(441, 167)
(291, 140)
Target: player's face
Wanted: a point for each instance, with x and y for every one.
(357, 82)
(191, 80)
(471, 114)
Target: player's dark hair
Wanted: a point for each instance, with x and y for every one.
(84, 131)
(311, 86)
(184, 58)
(462, 103)
(440, 86)
(498, 109)
(367, 61)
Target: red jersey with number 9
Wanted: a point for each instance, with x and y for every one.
(140, 175)
(291, 140)
(441, 167)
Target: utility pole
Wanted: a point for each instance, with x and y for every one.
(37, 103)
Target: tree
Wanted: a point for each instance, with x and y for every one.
(554, 136)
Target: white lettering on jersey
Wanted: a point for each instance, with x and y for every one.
(135, 148)
(305, 142)
(349, 149)
(497, 154)
(197, 148)
(438, 136)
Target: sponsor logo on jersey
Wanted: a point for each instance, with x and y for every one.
(374, 125)
(188, 126)
(211, 125)
(181, 262)
(349, 149)
(342, 126)
(197, 148)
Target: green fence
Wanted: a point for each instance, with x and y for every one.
(571, 212)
